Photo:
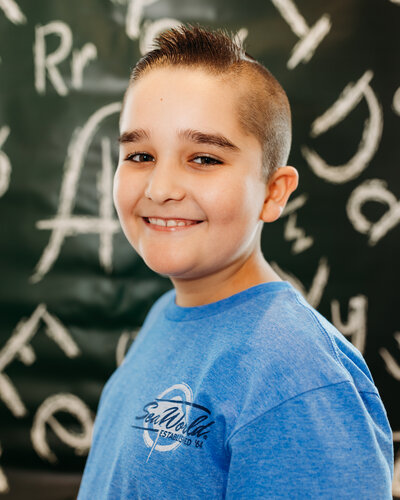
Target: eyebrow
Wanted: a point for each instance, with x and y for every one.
(136, 135)
(195, 136)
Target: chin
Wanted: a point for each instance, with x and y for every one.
(167, 269)
(166, 261)
(177, 272)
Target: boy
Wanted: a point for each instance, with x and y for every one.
(235, 386)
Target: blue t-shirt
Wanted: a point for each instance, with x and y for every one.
(253, 396)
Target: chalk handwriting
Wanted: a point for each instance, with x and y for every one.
(18, 347)
(5, 165)
(320, 280)
(292, 232)
(80, 59)
(47, 64)
(68, 403)
(241, 35)
(396, 470)
(392, 366)
(134, 17)
(122, 346)
(294, 205)
(356, 325)
(64, 224)
(104, 188)
(12, 11)
(151, 29)
(373, 190)
(4, 486)
(396, 102)
(347, 101)
(146, 31)
(310, 38)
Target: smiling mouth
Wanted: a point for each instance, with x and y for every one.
(170, 223)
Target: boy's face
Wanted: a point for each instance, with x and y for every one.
(188, 188)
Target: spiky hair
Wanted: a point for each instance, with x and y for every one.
(263, 108)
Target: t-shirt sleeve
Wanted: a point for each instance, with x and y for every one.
(330, 442)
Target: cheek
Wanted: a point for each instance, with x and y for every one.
(124, 192)
(116, 190)
(235, 204)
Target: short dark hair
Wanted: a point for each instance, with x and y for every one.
(263, 107)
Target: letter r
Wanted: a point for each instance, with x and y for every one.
(48, 63)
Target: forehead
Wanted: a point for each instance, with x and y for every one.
(186, 98)
(176, 78)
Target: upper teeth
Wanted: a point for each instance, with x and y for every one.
(169, 222)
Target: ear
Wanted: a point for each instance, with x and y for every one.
(280, 186)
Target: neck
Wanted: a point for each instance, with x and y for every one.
(235, 278)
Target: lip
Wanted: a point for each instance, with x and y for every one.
(171, 229)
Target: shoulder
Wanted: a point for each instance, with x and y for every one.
(289, 348)
(284, 331)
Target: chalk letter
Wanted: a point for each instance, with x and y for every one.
(12, 11)
(396, 470)
(49, 62)
(396, 101)
(310, 38)
(391, 364)
(67, 403)
(122, 345)
(356, 325)
(134, 17)
(347, 101)
(4, 488)
(64, 224)
(314, 295)
(292, 232)
(80, 59)
(18, 347)
(153, 29)
(373, 190)
(5, 166)
(393, 369)
(150, 29)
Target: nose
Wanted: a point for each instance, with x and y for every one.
(164, 183)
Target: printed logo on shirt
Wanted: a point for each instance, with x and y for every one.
(172, 419)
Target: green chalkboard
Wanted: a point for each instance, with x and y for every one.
(73, 293)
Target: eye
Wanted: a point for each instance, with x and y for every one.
(139, 157)
(206, 160)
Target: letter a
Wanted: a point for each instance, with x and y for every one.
(64, 224)
(373, 190)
